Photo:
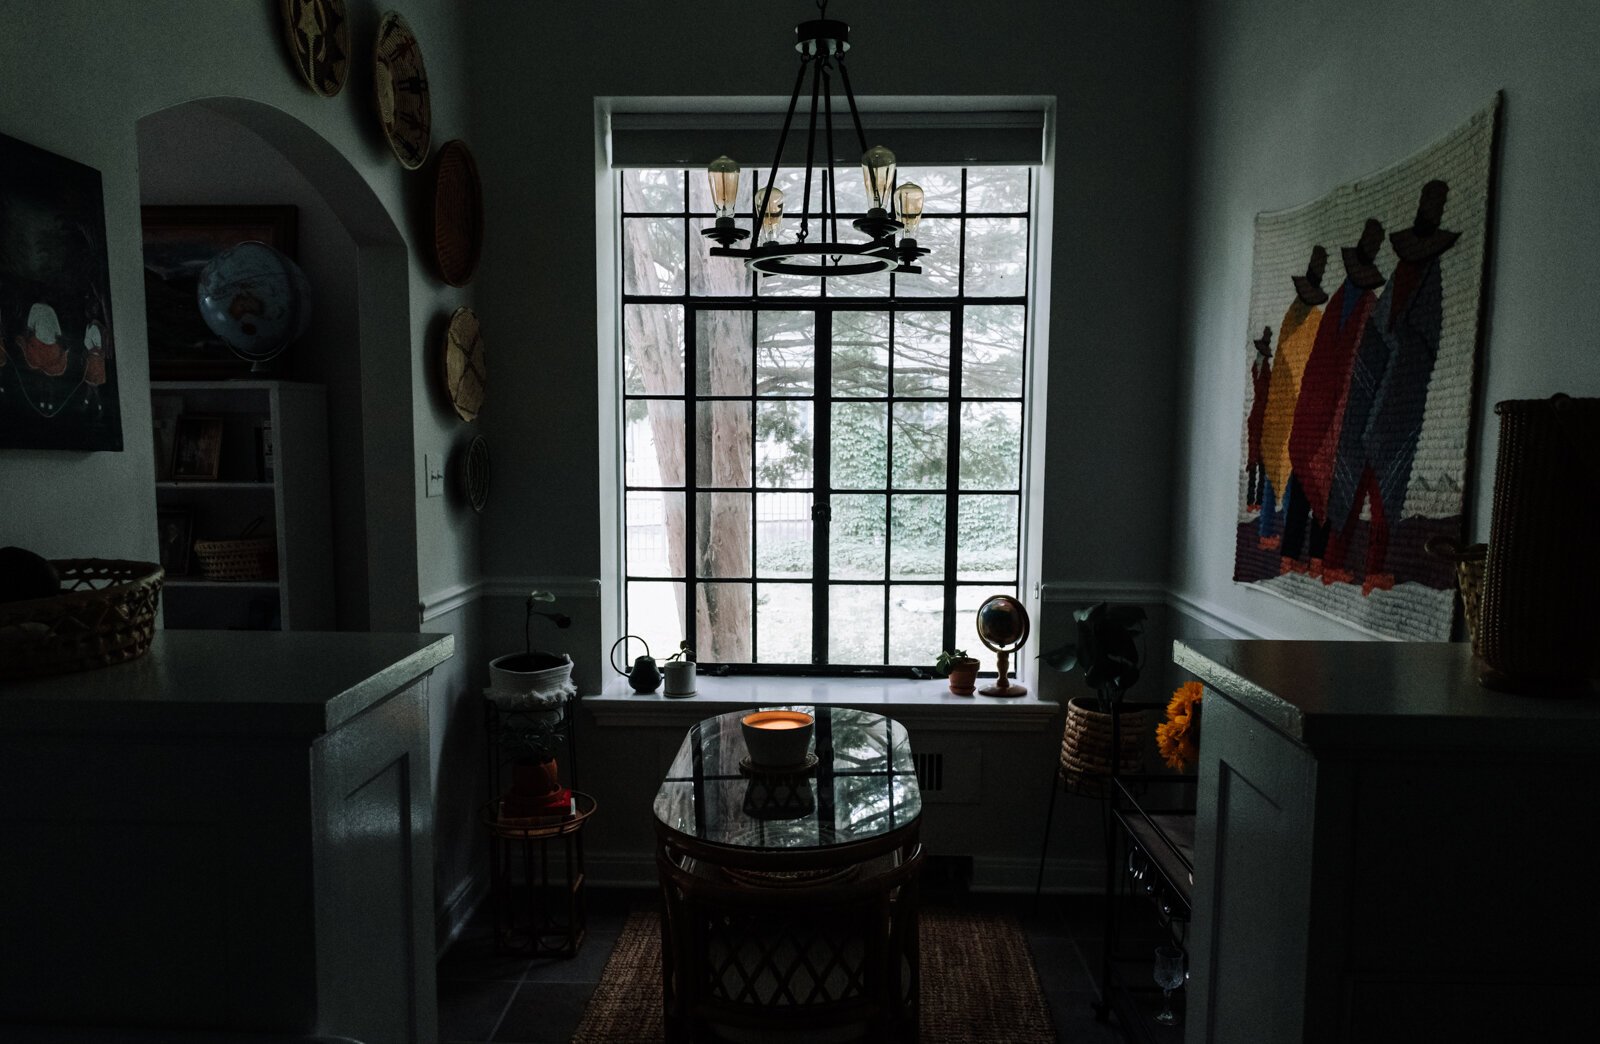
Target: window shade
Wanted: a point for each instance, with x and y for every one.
(923, 139)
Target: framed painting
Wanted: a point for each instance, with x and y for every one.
(177, 536)
(178, 241)
(58, 353)
(1362, 348)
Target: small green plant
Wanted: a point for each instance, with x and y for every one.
(683, 653)
(947, 659)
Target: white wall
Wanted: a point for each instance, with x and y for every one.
(1118, 74)
(1290, 103)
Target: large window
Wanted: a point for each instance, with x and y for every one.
(822, 472)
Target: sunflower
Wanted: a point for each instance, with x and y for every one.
(1179, 736)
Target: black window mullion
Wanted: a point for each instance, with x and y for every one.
(888, 485)
(755, 413)
(821, 482)
(691, 498)
(952, 488)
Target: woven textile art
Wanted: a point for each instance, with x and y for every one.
(1362, 347)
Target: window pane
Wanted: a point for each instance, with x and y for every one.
(860, 445)
(855, 624)
(725, 623)
(916, 537)
(941, 189)
(861, 354)
(921, 444)
(653, 191)
(997, 190)
(986, 547)
(916, 624)
(876, 285)
(856, 535)
(655, 527)
(714, 276)
(996, 257)
(700, 192)
(786, 353)
(655, 613)
(852, 191)
(991, 445)
(783, 623)
(723, 351)
(941, 237)
(653, 442)
(652, 353)
(722, 534)
(652, 255)
(722, 448)
(783, 534)
(991, 351)
(788, 286)
(783, 443)
(922, 353)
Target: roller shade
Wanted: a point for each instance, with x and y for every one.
(926, 139)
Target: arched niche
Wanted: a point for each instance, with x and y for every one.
(239, 151)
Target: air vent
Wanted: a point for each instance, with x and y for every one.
(930, 772)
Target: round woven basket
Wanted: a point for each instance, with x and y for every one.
(247, 558)
(1086, 744)
(105, 614)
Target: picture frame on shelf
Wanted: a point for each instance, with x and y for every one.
(197, 448)
(178, 242)
(175, 528)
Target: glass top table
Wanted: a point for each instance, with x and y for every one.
(860, 799)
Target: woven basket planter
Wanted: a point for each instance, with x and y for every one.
(1469, 561)
(248, 558)
(1086, 757)
(105, 614)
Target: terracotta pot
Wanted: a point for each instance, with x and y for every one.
(533, 779)
(963, 676)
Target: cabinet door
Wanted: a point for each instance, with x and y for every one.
(1252, 881)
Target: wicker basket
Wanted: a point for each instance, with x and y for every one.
(1469, 562)
(105, 614)
(248, 558)
(1086, 744)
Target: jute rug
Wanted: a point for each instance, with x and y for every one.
(979, 985)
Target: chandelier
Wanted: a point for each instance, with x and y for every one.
(891, 210)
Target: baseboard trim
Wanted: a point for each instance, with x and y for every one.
(463, 901)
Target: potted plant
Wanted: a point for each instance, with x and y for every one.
(522, 680)
(678, 672)
(1108, 652)
(527, 691)
(961, 669)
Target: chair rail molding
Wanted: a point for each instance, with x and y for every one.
(449, 599)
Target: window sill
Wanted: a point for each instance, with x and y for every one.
(927, 700)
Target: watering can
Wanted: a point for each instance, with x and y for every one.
(645, 676)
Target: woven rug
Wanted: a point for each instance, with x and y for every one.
(979, 985)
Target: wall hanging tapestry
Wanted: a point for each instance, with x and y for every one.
(1362, 347)
(58, 368)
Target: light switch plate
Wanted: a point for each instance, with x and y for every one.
(433, 474)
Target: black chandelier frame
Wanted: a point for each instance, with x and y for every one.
(822, 44)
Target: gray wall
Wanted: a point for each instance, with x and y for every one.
(1118, 74)
(1290, 103)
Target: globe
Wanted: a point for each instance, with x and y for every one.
(1002, 622)
(255, 299)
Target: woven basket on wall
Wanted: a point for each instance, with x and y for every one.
(105, 614)
(248, 558)
(1540, 623)
(1086, 744)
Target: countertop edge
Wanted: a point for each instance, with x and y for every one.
(372, 689)
(1235, 687)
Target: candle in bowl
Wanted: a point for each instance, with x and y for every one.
(777, 738)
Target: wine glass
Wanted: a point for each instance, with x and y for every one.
(1169, 976)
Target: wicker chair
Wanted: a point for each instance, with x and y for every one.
(827, 959)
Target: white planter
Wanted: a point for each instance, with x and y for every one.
(513, 687)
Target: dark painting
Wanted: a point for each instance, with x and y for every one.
(178, 242)
(58, 358)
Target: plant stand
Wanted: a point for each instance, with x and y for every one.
(546, 915)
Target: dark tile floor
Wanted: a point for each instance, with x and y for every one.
(483, 997)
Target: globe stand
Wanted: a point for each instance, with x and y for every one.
(1003, 627)
(1002, 685)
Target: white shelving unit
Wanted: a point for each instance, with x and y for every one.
(291, 504)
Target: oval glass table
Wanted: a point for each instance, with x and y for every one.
(790, 896)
